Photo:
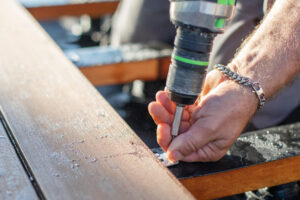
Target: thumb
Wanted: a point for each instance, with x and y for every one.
(189, 142)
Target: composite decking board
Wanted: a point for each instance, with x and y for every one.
(257, 159)
(14, 182)
(75, 144)
(49, 10)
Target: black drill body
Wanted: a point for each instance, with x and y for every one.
(185, 78)
(197, 23)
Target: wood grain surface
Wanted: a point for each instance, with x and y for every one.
(94, 9)
(14, 183)
(75, 144)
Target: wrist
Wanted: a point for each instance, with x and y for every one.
(230, 101)
(242, 97)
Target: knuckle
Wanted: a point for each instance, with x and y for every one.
(213, 128)
(218, 156)
(159, 140)
(159, 94)
(150, 106)
(191, 146)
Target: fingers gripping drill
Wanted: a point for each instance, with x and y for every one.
(197, 23)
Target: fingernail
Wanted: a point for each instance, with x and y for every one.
(174, 155)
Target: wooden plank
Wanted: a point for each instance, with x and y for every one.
(244, 179)
(122, 72)
(75, 144)
(257, 159)
(147, 70)
(108, 65)
(55, 9)
(14, 183)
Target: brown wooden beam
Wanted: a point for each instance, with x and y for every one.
(244, 179)
(106, 65)
(93, 9)
(146, 70)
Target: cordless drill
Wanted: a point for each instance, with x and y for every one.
(197, 23)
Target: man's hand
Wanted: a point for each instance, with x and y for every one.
(208, 128)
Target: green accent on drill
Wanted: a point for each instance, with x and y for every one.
(231, 2)
(192, 62)
(227, 2)
(220, 23)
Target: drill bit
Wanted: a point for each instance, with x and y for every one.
(177, 120)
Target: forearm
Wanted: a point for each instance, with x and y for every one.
(271, 56)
